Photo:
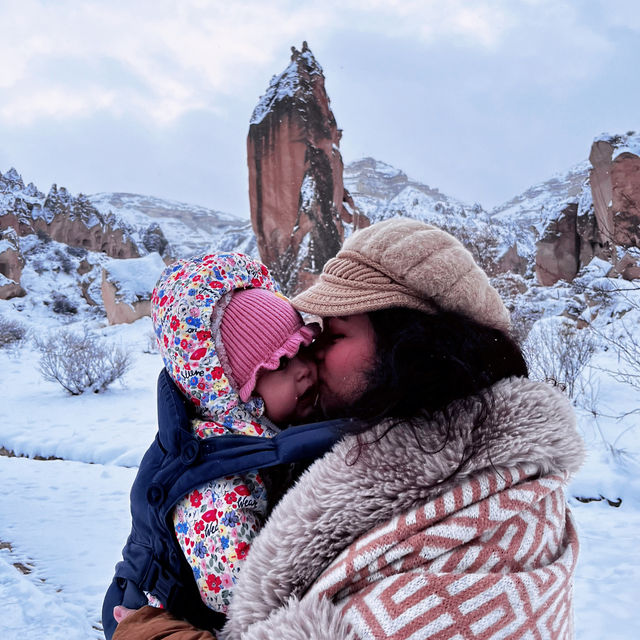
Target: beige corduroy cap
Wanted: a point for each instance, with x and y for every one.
(402, 262)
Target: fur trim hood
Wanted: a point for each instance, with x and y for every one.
(187, 306)
(341, 497)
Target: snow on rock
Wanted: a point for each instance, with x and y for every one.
(286, 84)
(61, 216)
(135, 278)
(127, 286)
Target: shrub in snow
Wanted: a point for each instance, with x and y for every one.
(556, 350)
(77, 252)
(151, 345)
(11, 331)
(154, 239)
(44, 236)
(62, 304)
(66, 263)
(81, 362)
(625, 340)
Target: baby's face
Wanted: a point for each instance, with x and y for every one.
(289, 392)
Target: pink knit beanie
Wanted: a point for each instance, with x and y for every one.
(259, 327)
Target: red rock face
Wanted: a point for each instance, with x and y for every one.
(70, 220)
(607, 229)
(615, 185)
(11, 264)
(557, 255)
(296, 189)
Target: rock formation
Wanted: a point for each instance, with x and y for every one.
(11, 263)
(59, 216)
(557, 257)
(63, 217)
(127, 286)
(603, 222)
(615, 186)
(299, 206)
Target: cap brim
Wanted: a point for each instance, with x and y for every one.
(328, 299)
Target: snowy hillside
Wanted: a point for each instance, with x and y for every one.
(380, 191)
(65, 520)
(67, 462)
(541, 200)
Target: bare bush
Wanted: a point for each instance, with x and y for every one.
(62, 304)
(81, 362)
(558, 352)
(627, 346)
(11, 332)
(66, 263)
(151, 345)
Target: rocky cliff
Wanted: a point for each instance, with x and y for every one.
(615, 189)
(11, 264)
(601, 219)
(299, 207)
(63, 217)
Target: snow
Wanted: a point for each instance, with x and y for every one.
(65, 521)
(621, 143)
(190, 229)
(631, 144)
(284, 85)
(134, 278)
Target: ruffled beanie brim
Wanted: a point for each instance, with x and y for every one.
(302, 337)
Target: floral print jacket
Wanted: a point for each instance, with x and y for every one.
(214, 524)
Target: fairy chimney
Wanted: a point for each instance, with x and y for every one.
(299, 206)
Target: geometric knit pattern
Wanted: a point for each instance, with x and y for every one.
(492, 558)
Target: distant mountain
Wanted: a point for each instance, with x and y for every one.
(381, 191)
(539, 201)
(189, 229)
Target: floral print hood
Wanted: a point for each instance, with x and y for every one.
(182, 305)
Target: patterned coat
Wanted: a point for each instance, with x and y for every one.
(399, 542)
(215, 523)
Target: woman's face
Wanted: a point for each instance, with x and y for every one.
(345, 354)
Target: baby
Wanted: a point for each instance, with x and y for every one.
(230, 341)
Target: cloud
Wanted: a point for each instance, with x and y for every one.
(185, 55)
(171, 57)
(189, 54)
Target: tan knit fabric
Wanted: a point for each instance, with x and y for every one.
(404, 263)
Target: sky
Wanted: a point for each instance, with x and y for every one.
(479, 98)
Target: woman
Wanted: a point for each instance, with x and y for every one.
(445, 516)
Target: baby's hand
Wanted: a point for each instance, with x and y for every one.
(120, 613)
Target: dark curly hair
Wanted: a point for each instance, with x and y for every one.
(425, 362)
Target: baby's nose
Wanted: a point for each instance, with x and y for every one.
(307, 369)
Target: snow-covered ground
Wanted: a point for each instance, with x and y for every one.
(63, 522)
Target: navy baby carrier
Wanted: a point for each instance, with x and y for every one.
(176, 463)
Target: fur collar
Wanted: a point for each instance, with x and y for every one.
(339, 499)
